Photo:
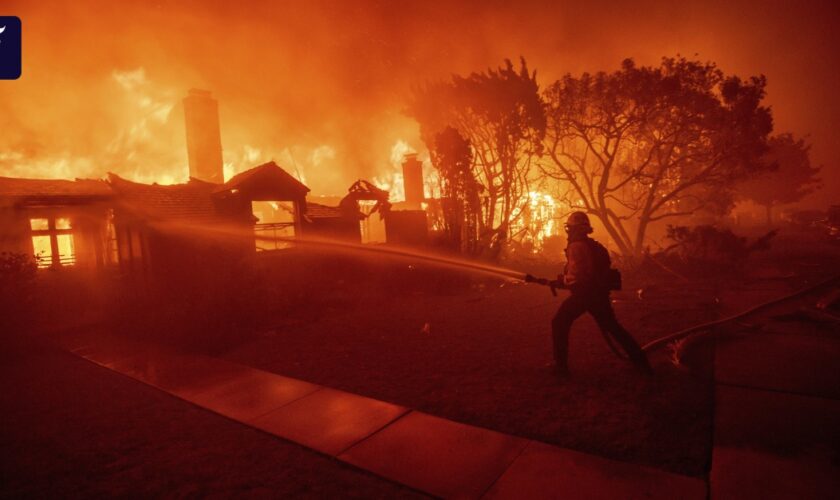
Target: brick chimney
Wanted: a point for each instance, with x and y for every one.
(413, 181)
(204, 140)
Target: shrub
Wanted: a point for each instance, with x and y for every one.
(17, 291)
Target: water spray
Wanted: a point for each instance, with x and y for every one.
(229, 231)
(400, 253)
(395, 252)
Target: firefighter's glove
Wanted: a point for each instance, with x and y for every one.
(534, 279)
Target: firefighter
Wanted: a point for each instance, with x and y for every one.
(587, 276)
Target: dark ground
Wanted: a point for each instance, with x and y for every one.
(71, 429)
(485, 359)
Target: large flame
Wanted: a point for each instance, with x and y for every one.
(392, 179)
(145, 142)
(101, 92)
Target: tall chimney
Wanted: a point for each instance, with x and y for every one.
(204, 140)
(413, 181)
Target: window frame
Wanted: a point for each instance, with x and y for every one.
(53, 233)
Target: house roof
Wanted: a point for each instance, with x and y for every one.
(268, 182)
(191, 201)
(318, 211)
(38, 188)
(195, 201)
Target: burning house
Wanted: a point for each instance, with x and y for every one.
(166, 229)
(152, 228)
(145, 227)
(63, 223)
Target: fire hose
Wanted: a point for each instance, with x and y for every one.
(662, 341)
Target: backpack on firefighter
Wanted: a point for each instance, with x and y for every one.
(606, 276)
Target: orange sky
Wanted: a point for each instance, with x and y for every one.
(320, 85)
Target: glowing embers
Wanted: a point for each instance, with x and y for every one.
(275, 219)
(52, 241)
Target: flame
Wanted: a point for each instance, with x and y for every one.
(399, 150)
(142, 139)
(296, 160)
(140, 136)
(539, 218)
(543, 208)
(145, 114)
(392, 179)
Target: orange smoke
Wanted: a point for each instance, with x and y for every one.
(319, 86)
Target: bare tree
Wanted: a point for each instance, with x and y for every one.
(644, 144)
(501, 114)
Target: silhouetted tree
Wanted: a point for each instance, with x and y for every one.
(453, 157)
(791, 179)
(646, 143)
(501, 114)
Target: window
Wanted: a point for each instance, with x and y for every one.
(275, 224)
(52, 241)
(39, 224)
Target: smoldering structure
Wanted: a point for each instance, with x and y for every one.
(160, 230)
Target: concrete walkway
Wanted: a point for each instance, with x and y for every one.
(777, 409)
(431, 454)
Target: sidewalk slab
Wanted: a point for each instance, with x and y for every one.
(148, 365)
(545, 471)
(431, 454)
(195, 376)
(185, 376)
(805, 327)
(106, 354)
(781, 444)
(801, 364)
(775, 422)
(445, 458)
(743, 473)
(253, 394)
(329, 420)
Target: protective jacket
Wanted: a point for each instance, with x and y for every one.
(587, 266)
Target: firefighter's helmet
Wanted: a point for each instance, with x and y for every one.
(578, 220)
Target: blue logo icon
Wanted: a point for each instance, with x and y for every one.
(10, 47)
